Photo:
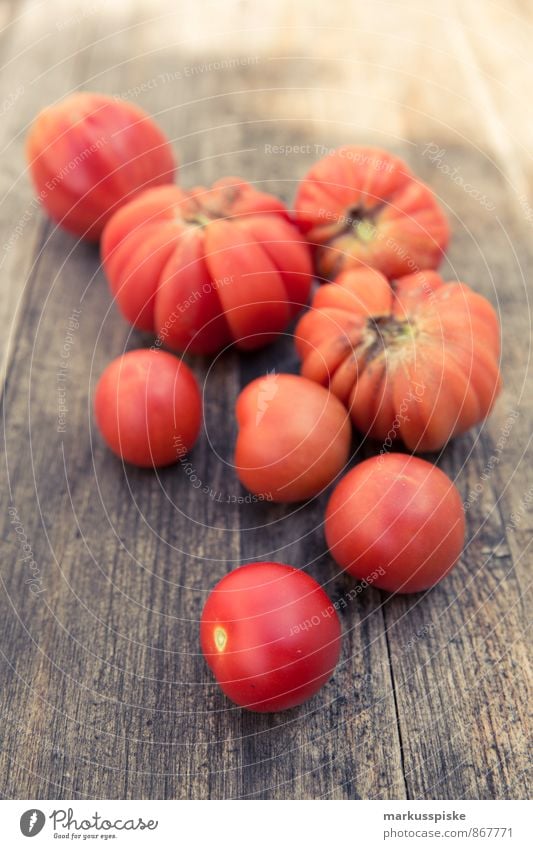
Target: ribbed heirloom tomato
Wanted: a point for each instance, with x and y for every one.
(364, 206)
(270, 635)
(416, 360)
(294, 437)
(148, 407)
(399, 513)
(89, 154)
(207, 267)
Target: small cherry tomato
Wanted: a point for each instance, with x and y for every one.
(398, 514)
(270, 635)
(90, 153)
(294, 437)
(148, 407)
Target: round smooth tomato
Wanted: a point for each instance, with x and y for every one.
(399, 516)
(270, 635)
(415, 360)
(361, 206)
(148, 407)
(294, 437)
(208, 267)
(90, 153)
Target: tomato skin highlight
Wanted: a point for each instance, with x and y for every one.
(208, 267)
(294, 437)
(399, 513)
(148, 407)
(90, 153)
(270, 635)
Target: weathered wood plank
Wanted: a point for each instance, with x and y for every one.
(460, 735)
(343, 744)
(28, 40)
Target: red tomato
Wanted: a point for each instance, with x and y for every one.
(89, 154)
(399, 514)
(361, 206)
(417, 360)
(270, 635)
(294, 437)
(148, 407)
(207, 267)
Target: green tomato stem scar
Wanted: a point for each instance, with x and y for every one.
(221, 638)
(365, 229)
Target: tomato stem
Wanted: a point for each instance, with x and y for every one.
(385, 332)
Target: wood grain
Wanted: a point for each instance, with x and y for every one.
(104, 692)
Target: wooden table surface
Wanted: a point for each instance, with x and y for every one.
(103, 691)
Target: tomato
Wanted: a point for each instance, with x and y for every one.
(361, 206)
(148, 407)
(294, 437)
(399, 515)
(208, 267)
(270, 635)
(90, 153)
(416, 361)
